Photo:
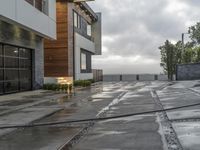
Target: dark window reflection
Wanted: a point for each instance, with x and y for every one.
(1, 75)
(15, 69)
(11, 51)
(11, 86)
(25, 63)
(1, 87)
(11, 62)
(24, 53)
(11, 75)
(1, 61)
(1, 50)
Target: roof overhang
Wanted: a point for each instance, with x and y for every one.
(83, 5)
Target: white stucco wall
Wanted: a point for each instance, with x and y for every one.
(82, 42)
(22, 13)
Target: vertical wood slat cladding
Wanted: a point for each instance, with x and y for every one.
(56, 52)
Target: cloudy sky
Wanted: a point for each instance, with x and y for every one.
(134, 29)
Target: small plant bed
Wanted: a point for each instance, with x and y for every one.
(57, 87)
(82, 83)
(66, 87)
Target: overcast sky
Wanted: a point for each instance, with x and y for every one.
(134, 29)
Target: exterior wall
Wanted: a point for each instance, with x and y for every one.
(97, 35)
(188, 72)
(134, 77)
(82, 43)
(14, 35)
(129, 77)
(110, 78)
(21, 13)
(57, 52)
(64, 53)
(146, 77)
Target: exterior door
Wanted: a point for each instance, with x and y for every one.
(15, 69)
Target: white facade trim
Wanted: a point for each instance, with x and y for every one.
(82, 43)
(21, 13)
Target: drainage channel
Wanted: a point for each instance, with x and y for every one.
(170, 136)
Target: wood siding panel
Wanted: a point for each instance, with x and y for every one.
(56, 52)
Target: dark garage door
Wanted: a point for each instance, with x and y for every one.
(15, 69)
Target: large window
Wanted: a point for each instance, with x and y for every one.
(15, 69)
(89, 30)
(77, 21)
(41, 5)
(83, 61)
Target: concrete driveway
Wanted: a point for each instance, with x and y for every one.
(174, 130)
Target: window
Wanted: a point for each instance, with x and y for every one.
(1, 50)
(15, 69)
(1, 75)
(83, 61)
(11, 51)
(1, 61)
(77, 22)
(89, 30)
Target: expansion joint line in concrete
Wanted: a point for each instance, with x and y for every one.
(170, 138)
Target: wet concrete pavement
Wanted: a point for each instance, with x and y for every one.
(173, 130)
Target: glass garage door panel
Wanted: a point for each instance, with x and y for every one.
(11, 81)
(25, 80)
(11, 86)
(15, 69)
(1, 87)
(1, 81)
(1, 50)
(10, 51)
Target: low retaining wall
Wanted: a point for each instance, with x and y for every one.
(134, 77)
(188, 71)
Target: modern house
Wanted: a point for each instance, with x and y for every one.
(78, 38)
(23, 26)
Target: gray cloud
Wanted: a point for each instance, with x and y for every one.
(138, 27)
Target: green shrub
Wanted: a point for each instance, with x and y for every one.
(83, 83)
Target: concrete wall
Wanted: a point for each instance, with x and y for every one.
(188, 71)
(129, 77)
(134, 77)
(97, 35)
(108, 78)
(14, 35)
(82, 43)
(162, 77)
(146, 77)
(21, 13)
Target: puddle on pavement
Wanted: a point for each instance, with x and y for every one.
(16, 102)
(100, 134)
(182, 114)
(38, 138)
(59, 101)
(188, 134)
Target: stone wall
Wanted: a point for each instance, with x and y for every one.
(188, 71)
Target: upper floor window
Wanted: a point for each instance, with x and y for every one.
(89, 30)
(41, 5)
(77, 22)
(83, 61)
